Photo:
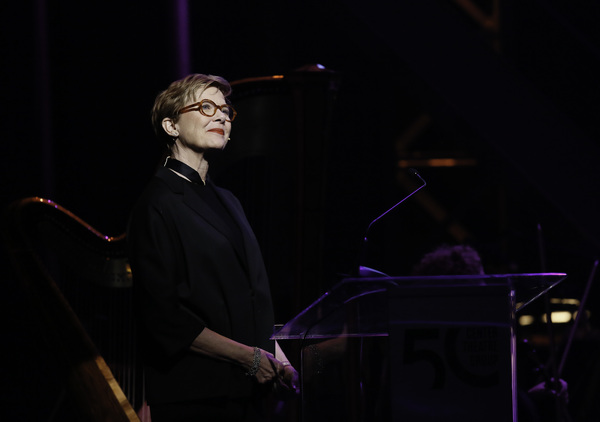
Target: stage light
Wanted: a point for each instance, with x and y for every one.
(526, 320)
(558, 317)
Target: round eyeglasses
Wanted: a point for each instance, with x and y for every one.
(208, 108)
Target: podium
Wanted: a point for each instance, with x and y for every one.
(413, 348)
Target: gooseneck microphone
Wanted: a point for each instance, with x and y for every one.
(365, 239)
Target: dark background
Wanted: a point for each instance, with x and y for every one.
(515, 98)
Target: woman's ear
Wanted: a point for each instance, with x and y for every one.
(169, 126)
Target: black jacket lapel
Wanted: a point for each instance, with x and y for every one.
(192, 200)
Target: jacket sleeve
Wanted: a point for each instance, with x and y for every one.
(155, 251)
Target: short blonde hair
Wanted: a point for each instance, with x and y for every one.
(170, 101)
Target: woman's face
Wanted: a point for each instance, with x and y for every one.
(199, 132)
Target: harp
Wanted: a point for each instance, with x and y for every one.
(79, 285)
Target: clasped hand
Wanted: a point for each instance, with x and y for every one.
(284, 377)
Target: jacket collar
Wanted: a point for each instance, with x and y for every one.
(179, 185)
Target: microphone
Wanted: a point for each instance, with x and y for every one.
(366, 270)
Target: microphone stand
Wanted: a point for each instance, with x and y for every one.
(365, 239)
(549, 325)
(552, 383)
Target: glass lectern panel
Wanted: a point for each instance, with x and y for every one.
(362, 297)
(413, 348)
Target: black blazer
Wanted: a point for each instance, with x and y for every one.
(188, 274)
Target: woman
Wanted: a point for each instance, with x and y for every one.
(202, 294)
